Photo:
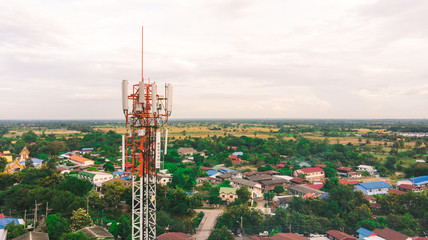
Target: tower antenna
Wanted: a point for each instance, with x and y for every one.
(145, 116)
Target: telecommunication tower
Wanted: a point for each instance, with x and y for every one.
(147, 114)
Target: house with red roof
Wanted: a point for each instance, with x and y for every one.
(389, 234)
(338, 235)
(410, 188)
(311, 174)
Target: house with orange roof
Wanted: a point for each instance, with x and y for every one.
(78, 160)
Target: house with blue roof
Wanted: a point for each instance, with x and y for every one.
(418, 181)
(6, 221)
(373, 188)
(225, 170)
(212, 173)
(86, 150)
(119, 174)
(363, 233)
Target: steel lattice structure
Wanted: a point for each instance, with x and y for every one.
(144, 118)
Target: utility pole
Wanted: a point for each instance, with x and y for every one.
(242, 229)
(35, 214)
(47, 209)
(25, 216)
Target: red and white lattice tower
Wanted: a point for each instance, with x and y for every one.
(147, 114)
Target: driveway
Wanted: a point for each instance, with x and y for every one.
(208, 223)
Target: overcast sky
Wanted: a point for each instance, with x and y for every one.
(225, 58)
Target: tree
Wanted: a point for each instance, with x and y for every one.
(221, 234)
(29, 137)
(179, 203)
(278, 189)
(113, 192)
(80, 219)
(14, 231)
(3, 163)
(56, 226)
(330, 172)
(268, 196)
(114, 229)
(79, 187)
(124, 228)
(243, 194)
(109, 167)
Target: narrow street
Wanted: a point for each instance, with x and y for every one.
(207, 223)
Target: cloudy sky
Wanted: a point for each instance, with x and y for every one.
(225, 58)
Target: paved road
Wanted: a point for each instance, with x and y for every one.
(207, 223)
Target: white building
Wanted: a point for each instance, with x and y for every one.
(371, 170)
(96, 178)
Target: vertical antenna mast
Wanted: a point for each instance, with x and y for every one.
(148, 113)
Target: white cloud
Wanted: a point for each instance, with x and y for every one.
(252, 59)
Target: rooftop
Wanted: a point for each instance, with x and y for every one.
(390, 234)
(79, 159)
(374, 185)
(340, 235)
(287, 236)
(227, 190)
(421, 180)
(310, 170)
(96, 232)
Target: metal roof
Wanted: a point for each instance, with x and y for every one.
(211, 172)
(421, 180)
(364, 231)
(374, 185)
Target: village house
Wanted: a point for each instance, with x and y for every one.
(310, 174)
(364, 233)
(389, 234)
(186, 151)
(213, 180)
(259, 178)
(253, 187)
(96, 178)
(418, 181)
(297, 181)
(187, 160)
(228, 195)
(287, 236)
(78, 160)
(410, 188)
(355, 175)
(338, 235)
(86, 150)
(366, 168)
(302, 190)
(373, 188)
(282, 201)
(163, 179)
(269, 185)
(344, 171)
(7, 155)
(225, 176)
(122, 181)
